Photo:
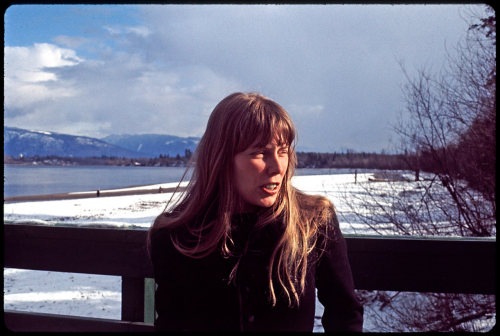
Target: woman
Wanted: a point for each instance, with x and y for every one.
(243, 249)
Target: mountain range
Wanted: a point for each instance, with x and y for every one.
(24, 142)
(152, 145)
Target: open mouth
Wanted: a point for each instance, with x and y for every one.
(270, 187)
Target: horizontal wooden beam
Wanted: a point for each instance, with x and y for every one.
(40, 322)
(77, 250)
(420, 264)
(445, 265)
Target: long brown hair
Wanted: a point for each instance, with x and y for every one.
(208, 203)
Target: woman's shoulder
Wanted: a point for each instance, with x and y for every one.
(161, 232)
(319, 210)
(314, 205)
(162, 246)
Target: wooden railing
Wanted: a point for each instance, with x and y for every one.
(417, 264)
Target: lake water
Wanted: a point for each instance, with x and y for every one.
(26, 180)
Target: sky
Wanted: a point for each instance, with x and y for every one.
(96, 70)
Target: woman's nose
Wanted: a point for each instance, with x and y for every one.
(275, 165)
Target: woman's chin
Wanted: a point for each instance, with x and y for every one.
(256, 204)
(267, 202)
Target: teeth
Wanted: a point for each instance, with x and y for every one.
(271, 186)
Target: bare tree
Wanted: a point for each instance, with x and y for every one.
(447, 131)
(449, 126)
(429, 312)
(403, 207)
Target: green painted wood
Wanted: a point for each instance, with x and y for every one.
(149, 300)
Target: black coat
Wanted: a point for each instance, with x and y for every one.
(194, 294)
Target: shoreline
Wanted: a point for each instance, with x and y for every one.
(87, 194)
(168, 187)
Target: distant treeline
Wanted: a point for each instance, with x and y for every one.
(350, 159)
(103, 160)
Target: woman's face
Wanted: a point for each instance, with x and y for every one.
(259, 174)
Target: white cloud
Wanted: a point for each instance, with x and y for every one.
(308, 110)
(141, 31)
(333, 67)
(29, 64)
(29, 75)
(113, 30)
(70, 41)
(51, 88)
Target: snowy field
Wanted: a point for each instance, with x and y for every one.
(140, 210)
(99, 296)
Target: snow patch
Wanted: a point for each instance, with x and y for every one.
(43, 132)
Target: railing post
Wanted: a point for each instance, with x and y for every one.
(133, 299)
(149, 300)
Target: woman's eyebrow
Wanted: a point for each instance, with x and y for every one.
(263, 147)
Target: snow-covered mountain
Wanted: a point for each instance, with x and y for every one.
(154, 144)
(31, 142)
(35, 142)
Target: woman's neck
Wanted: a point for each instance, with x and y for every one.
(242, 207)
